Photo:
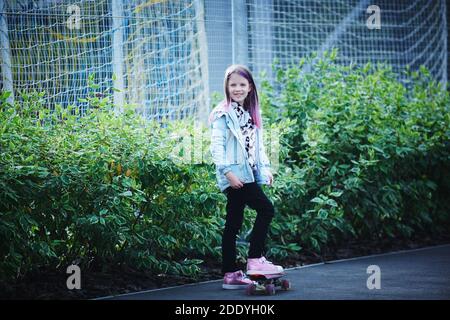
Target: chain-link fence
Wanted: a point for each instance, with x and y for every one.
(153, 52)
(167, 56)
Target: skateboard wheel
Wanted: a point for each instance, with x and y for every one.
(270, 289)
(251, 289)
(285, 285)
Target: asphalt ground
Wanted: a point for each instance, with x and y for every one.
(422, 274)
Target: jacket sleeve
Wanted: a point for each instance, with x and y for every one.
(218, 144)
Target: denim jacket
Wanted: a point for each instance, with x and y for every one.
(228, 150)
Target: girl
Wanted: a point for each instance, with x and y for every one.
(241, 167)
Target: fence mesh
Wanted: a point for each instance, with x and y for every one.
(153, 49)
(410, 33)
(169, 55)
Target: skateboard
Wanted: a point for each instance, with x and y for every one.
(267, 284)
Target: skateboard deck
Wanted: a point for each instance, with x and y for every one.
(267, 283)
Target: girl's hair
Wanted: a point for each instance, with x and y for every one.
(251, 102)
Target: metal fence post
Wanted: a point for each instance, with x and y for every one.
(6, 53)
(204, 108)
(444, 8)
(239, 31)
(117, 53)
(262, 38)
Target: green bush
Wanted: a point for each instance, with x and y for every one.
(368, 155)
(362, 156)
(100, 190)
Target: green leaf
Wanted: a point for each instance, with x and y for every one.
(336, 194)
(332, 203)
(318, 200)
(126, 194)
(203, 197)
(322, 214)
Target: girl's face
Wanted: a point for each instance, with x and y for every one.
(238, 88)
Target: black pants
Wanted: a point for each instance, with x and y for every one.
(252, 195)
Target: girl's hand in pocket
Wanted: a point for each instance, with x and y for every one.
(235, 183)
(270, 178)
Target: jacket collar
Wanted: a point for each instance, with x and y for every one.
(219, 111)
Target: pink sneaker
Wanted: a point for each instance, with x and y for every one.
(235, 280)
(262, 266)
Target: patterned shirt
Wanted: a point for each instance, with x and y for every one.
(248, 130)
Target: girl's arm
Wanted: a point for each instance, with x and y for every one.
(218, 152)
(218, 143)
(264, 159)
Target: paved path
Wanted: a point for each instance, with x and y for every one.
(413, 274)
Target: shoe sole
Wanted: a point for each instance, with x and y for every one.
(260, 272)
(234, 286)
